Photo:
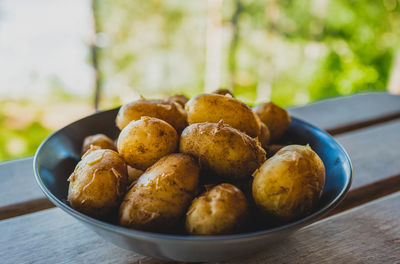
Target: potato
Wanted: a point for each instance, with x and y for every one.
(162, 194)
(276, 118)
(214, 107)
(99, 140)
(290, 183)
(143, 142)
(273, 149)
(222, 149)
(245, 186)
(133, 175)
(170, 112)
(178, 98)
(222, 210)
(224, 92)
(98, 183)
(264, 136)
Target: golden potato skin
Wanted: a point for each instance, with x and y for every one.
(170, 112)
(290, 183)
(224, 92)
(98, 183)
(162, 194)
(214, 107)
(133, 175)
(264, 136)
(222, 149)
(178, 98)
(99, 140)
(275, 118)
(221, 210)
(273, 149)
(141, 143)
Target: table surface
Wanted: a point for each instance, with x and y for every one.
(364, 228)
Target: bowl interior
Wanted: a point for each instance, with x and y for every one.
(59, 153)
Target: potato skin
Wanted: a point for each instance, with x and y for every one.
(143, 142)
(98, 183)
(178, 98)
(133, 175)
(273, 149)
(290, 183)
(275, 118)
(214, 107)
(223, 92)
(170, 112)
(221, 210)
(222, 149)
(99, 140)
(162, 194)
(264, 136)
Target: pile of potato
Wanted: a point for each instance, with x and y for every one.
(201, 163)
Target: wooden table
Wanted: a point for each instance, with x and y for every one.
(365, 228)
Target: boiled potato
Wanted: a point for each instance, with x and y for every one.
(99, 140)
(214, 107)
(178, 98)
(222, 149)
(162, 194)
(133, 175)
(273, 149)
(223, 92)
(276, 118)
(290, 183)
(143, 142)
(245, 186)
(221, 210)
(170, 112)
(264, 136)
(98, 183)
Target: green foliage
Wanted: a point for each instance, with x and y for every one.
(152, 47)
(304, 50)
(16, 143)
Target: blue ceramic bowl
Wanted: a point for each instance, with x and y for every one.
(60, 152)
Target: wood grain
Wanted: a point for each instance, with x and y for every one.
(374, 152)
(367, 193)
(344, 114)
(366, 234)
(24, 208)
(18, 182)
(52, 236)
(19, 192)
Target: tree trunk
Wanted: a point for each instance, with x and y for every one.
(394, 79)
(94, 55)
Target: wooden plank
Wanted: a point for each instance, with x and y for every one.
(19, 192)
(24, 208)
(367, 234)
(367, 193)
(344, 114)
(52, 236)
(374, 152)
(18, 182)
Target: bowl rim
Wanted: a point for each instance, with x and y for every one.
(209, 238)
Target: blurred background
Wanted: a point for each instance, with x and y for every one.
(59, 60)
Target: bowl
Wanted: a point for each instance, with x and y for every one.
(57, 156)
